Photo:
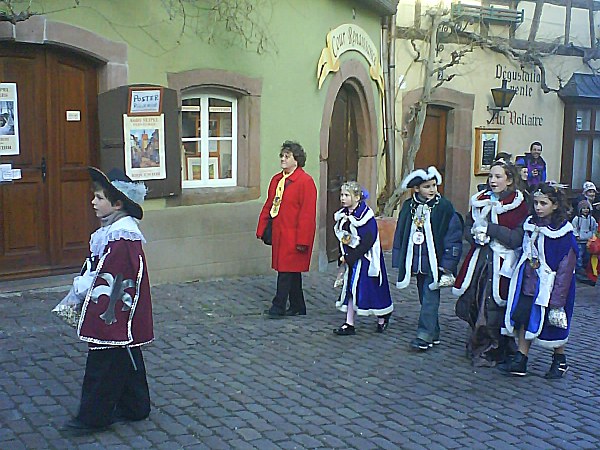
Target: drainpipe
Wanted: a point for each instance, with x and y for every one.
(391, 177)
(389, 64)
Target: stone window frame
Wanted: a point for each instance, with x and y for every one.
(248, 92)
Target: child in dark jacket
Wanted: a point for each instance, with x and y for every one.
(427, 244)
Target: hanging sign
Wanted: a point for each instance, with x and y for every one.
(345, 38)
(9, 120)
(145, 147)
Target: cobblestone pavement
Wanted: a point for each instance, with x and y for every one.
(222, 376)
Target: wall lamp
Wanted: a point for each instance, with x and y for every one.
(502, 97)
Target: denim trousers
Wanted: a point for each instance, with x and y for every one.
(429, 327)
(583, 257)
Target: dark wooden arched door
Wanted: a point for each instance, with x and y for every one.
(46, 217)
(432, 151)
(342, 162)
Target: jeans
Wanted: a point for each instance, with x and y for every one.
(583, 257)
(429, 327)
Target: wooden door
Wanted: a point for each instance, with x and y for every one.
(46, 218)
(432, 151)
(342, 162)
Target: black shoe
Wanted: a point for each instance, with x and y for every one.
(274, 314)
(516, 366)
(345, 330)
(558, 368)
(295, 312)
(381, 327)
(420, 345)
(77, 428)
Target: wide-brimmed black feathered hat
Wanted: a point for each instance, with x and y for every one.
(123, 188)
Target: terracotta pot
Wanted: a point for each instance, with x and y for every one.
(387, 228)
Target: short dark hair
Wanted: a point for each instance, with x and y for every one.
(110, 195)
(295, 149)
(536, 143)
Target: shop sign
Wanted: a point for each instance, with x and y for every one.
(349, 37)
(526, 83)
(9, 119)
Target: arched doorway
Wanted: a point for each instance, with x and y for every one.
(45, 217)
(342, 164)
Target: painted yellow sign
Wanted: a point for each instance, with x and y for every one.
(344, 38)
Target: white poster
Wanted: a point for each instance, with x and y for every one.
(145, 147)
(9, 120)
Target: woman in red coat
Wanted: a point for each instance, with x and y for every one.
(291, 207)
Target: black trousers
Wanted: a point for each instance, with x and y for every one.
(112, 387)
(289, 285)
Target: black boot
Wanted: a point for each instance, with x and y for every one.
(516, 366)
(558, 368)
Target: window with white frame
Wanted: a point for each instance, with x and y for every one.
(209, 140)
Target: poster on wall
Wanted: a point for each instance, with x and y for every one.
(145, 147)
(487, 142)
(9, 120)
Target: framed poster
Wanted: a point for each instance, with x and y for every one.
(9, 120)
(487, 141)
(145, 147)
(145, 101)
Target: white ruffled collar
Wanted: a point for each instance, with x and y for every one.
(126, 228)
(498, 205)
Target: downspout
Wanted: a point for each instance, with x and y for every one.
(388, 56)
(391, 178)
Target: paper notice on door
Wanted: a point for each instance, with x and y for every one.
(5, 172)
(16, 174)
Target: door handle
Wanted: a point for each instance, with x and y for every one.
(44, 168)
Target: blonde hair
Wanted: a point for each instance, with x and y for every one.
(354, 188)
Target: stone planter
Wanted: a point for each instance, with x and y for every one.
(387, 228)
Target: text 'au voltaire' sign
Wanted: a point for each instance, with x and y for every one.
(343, 39)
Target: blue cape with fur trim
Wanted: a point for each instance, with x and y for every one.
(553, 245)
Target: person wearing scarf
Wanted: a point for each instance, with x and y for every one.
(116, 308)
(291, 209)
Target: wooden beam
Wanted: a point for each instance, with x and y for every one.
(535, 23)
(581, 4)
(592, 27)
(417, 20)
(567, 23)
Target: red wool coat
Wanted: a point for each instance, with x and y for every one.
(294, 225)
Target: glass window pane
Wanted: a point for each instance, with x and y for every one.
(583, 119)
(579, 174)
(597, 127)
(225, 160)
(190, 124)
(596, 162)
(191, 148)
(219, 118)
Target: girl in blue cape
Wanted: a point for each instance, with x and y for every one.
(365, 290)
(542, 294)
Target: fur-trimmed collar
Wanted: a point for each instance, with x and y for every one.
(358, 217)
(499, 205)
(546, 230)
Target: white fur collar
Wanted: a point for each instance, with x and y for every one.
(546, 231)
(497, 205)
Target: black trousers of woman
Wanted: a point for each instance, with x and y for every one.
(289, 285)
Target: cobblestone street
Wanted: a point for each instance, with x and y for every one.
(222, 376)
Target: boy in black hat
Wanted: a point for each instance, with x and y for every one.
(116, 308)
(427, 244)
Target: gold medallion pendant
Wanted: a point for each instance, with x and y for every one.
(346, 238)
(534, 263)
